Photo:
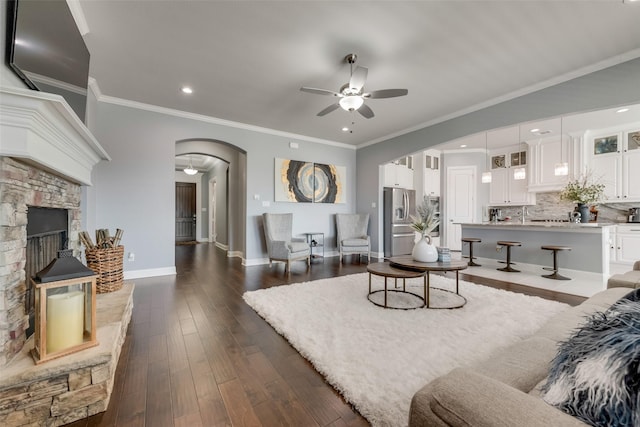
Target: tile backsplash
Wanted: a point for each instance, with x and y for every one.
(549, 206)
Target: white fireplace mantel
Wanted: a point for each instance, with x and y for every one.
(40, 128)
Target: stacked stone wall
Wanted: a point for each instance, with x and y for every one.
(21, 186)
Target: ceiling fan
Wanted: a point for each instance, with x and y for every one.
(351, 94)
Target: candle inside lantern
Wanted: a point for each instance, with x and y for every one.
(65, 320)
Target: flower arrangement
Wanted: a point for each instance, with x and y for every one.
(426, 219)
(583, 190)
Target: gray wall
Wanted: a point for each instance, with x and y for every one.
(135, 191)
(220, 174)
(618, 85)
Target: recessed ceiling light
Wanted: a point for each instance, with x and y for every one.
(534, 130)
(345, 129)
(622, 110)
(186, 89)
(463, 146)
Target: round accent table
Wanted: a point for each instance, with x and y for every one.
(406, 262)
(384, 269)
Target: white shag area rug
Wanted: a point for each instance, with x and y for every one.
(378, 358)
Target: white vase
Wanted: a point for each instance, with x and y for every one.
(424, 251)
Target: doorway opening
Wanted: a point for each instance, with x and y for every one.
(197, 202)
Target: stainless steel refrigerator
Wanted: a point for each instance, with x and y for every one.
(399, 203)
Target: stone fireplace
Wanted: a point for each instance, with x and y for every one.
(23, 186)
(46, 156)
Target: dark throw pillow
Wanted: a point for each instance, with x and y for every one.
(596, 374)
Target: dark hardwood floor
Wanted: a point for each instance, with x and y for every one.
(197, 355)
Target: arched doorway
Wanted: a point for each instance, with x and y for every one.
(219, 167)
(197, 201)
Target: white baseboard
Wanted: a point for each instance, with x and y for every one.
(263, 261)
(222, 246)
(151, 272)
(234, 254)
(254, 261)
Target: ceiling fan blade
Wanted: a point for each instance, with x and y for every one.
(329, 109)
(319, 91)
(366, 111)
(358, 78)
(386, 93)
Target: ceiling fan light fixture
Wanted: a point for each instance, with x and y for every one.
(351, 102)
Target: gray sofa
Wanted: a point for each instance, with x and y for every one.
(504, 390)
(630, 279)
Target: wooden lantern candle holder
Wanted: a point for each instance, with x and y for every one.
(65, 302)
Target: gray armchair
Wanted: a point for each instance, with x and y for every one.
(352, 234)
(280, 245)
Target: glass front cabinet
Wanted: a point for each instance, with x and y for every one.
(615, 161)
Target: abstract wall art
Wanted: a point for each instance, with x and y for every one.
(306, 182)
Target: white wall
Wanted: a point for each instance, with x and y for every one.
(477, 159)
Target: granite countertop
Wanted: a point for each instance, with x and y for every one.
(542, 224)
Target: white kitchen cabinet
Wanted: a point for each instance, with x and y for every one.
(625, 247)
(615, 161)
(504, 189)
(396, 175)
(544, 154)
(432, 173)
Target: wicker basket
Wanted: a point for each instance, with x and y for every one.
(107, 264)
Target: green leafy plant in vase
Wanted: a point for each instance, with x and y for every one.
(584, 191)
(424, 223)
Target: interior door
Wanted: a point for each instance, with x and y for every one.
(460, 202)
(185, 211)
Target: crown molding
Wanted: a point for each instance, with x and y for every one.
(610, 62)
(93, 85)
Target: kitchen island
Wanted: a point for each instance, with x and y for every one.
(589, 255)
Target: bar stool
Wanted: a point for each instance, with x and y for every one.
(508, 244)
(471, 241)
(555, 250)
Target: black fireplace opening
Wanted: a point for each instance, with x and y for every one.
(47, 231)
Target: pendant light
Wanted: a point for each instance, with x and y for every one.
(190, 170)
(520, 172)
(561, 168)
(486, 176)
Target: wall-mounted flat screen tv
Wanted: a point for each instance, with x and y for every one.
(45, 48)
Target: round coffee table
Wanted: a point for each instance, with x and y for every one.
(406, 262)
(384, 269)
